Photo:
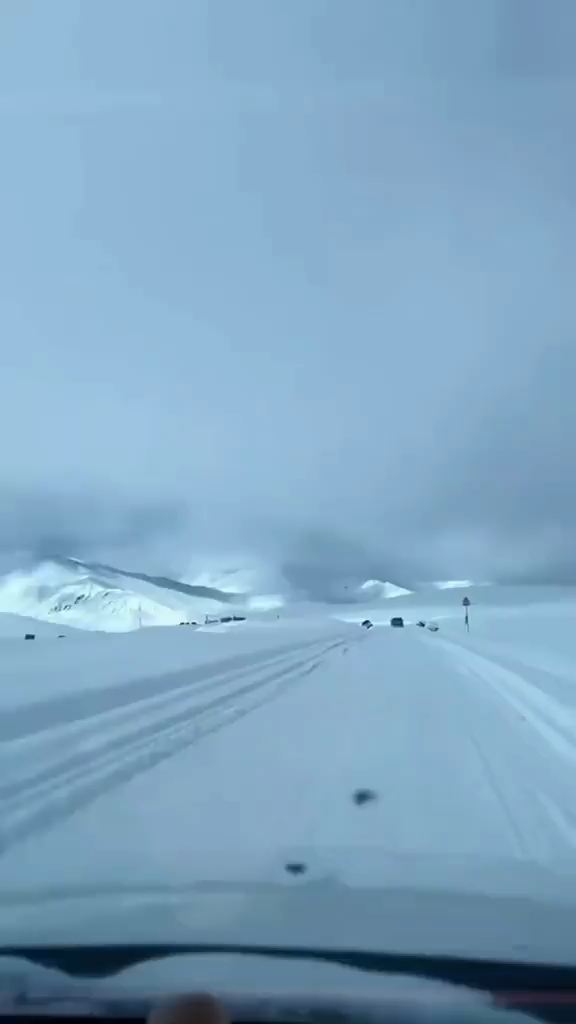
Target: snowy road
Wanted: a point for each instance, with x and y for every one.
(58, 755)
(246, 762)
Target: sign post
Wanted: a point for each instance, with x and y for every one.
(466, 603)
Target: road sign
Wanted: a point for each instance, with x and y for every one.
(466, 602)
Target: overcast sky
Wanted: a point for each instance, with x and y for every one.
(291, 274)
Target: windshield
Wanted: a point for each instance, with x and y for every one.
(287, 574)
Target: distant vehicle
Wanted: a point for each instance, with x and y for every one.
(397, 622)
(367, 624)
(421, 624)
(30, 636)
(433, 627)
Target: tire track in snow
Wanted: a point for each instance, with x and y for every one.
(70, 787)
(532, 778)
(495, 783)
(544, 713)
(41, 778)
(184, 701)
(40, 716)
(140, 753)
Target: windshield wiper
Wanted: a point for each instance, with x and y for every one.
(100, 961)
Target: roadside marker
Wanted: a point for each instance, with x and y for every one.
(466, 603)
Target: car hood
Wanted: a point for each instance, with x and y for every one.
(473, 907)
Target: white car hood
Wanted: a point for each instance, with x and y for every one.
(497, 910)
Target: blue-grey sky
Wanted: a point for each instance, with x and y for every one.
(285, 268)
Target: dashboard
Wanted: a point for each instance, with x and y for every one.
(296, 986)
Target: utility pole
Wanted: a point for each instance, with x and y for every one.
(466, 603)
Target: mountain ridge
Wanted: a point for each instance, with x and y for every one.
(94, 595)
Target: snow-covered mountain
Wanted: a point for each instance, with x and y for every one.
(96, 596)
(378, 590)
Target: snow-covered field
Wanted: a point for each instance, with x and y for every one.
(169, 756)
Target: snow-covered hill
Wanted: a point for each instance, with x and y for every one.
(374, 590)
(96, 596)
(90, 595)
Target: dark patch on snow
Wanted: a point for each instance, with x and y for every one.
(364, 796)
(296, 868)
